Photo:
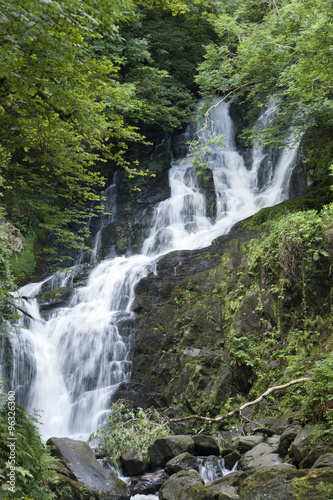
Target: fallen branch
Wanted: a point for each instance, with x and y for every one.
(241, 408)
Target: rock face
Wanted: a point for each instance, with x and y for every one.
(80, 460)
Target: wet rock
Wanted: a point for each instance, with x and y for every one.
(165, 448)
(58, 297)
(231, 459)
(185, 485)
(148, 483)
(185, 461)
(132, 463)
(79, 458)
(205, 445)
(211, 468)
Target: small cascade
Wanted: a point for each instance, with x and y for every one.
(211, 468)
(70, 365)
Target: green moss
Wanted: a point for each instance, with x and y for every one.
(122, 243)
(23, 264)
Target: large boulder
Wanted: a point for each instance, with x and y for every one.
(148, 483)
(84, 468)
(165, 448)
(301, 445)
(132, 463)
(185, 461)
(288, 484)
(319, 449)
(261, 456)
(185, 485)
(205, 445)
(287, 437)
(246, 443)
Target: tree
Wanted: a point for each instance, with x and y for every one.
(62, 109)
(281, 49)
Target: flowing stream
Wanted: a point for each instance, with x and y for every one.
(69, 366)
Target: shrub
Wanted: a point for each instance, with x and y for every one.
(128, 428)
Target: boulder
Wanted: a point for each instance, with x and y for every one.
(320, 448)
(231, 459)
(148, 483)
(261, 456)
(288, 484)
(205, 445)
(185, 485)
(325, 460)
(165, 448)
(80, 460)
(287, 437)
(246, 443)
(185, 461)
(301, 445)
(132, 463)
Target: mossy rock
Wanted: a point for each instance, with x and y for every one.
(288, 484)
(185, 485)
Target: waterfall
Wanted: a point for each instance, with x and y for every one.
(70, 365)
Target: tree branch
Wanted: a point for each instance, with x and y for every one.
(241, 408)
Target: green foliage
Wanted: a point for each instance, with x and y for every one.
(283, 50)
(319, 391)
(33, 464)
(63, 106)
(24, 263)
(295, 242)
(127, 429)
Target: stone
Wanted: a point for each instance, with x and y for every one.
(80, 459)
(185, 485)
(165, 448)
(246, 443)
(58, 297)
(301, 445)
(185, 461)
(148, 483)
(222, 491)
(226, 487)
(287, 437)
(325, 460)
(319, 449)
(132, 463)
(261, 456)
(231, 459)
(205, 445)
(288, 484)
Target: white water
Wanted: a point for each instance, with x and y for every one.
(69, 366)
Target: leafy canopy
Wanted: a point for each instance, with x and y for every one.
(62, 108)
(278, 48)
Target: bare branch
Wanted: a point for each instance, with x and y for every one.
(246, 405)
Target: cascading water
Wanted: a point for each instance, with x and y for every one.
(70, 365)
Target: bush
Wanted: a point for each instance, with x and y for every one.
(128, 428)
